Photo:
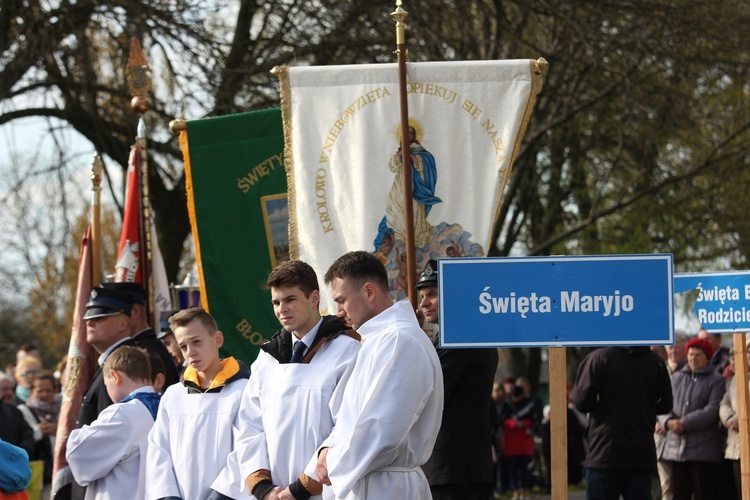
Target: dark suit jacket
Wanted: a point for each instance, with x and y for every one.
(96, 399)
(462, 452)
(147, 340)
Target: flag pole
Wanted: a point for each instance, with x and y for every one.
(139, 83)
(411, 266)
(148, 276)
(96, 233)
(81, 355)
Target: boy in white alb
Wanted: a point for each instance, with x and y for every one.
(292, 399)
(110, 454)
(194, 430)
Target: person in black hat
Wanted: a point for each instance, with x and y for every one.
(107, 328)
(166, 335)
(143, 335)
(461, 463)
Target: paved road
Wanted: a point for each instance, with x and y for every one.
(572, 495)
(577, 494)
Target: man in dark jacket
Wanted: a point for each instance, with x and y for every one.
(623, 389)
(461, 463)
(107, 328)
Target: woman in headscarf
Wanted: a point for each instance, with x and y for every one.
(693, 446)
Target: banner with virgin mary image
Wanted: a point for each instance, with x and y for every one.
(343, 157)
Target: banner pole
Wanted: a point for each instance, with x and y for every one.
(96, 233)
(411, 266)
(148, 280)
(139, 83)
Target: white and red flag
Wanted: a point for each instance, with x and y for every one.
(132, 265)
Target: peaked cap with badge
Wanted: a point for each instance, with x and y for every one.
(106, 302)
(429, 276)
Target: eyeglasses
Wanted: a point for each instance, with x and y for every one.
(29, 373)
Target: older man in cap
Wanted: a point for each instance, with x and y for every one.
(107, 328)
(461, 463)
(143, 335)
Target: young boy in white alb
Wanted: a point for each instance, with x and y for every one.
(194, 430)
(110, 454)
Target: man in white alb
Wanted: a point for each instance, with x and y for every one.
(393, 402)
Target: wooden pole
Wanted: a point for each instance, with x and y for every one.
(558, 400)
(411, 266)
(139, 83)
(148, 275)
(740, 376)
(96, 233)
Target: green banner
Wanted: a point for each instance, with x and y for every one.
(237, 200)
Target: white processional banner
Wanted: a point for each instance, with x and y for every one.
(343, 160)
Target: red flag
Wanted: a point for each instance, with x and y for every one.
(130, 264)
(79, 369)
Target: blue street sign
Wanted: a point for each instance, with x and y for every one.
(556, 301)
(723, 303)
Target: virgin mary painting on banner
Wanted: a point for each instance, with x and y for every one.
(435, 241)
(344, 167)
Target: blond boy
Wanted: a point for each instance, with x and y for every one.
(194, 433)
(109, 454)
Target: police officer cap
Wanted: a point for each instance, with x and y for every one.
(164, 328)
(429, 276)
(135, 289)
(106, 302)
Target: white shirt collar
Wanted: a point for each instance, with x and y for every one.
(103, 356)
(309, 336)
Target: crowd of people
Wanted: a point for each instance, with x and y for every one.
(362, 404)
(345, 406)
(29, 408)
(662, 422)
(697, 440)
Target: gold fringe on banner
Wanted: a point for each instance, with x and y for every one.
(282, 73)
(191, 214)
(538, 71)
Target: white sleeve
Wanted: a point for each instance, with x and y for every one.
(94, 450)
(344, 366)
(397, 387)
(230, 481)
(250, 439)
(161, 481)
